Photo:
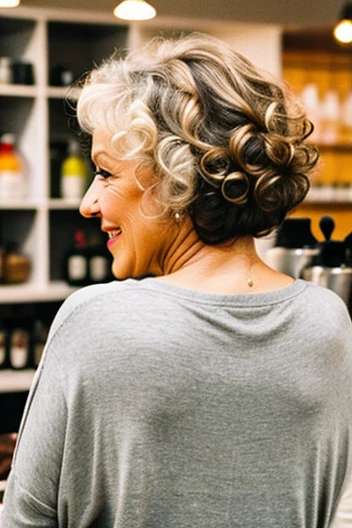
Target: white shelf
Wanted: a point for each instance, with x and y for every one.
(18, 90)
(22, 293)
(19, 205)
(63, 92)
(16, 380)
(59, 203)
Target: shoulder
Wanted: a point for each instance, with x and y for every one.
(323, 297)
(325, 309)
(85, 299)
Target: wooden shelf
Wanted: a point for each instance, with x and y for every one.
(335, 147)
(333, 204)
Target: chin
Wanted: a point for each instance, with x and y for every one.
(121, 274)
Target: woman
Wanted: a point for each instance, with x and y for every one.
(213, 391)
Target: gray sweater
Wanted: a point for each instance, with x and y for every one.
(161, 407)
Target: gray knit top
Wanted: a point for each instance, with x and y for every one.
(156, 406)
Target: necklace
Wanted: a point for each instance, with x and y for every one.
(250, 280)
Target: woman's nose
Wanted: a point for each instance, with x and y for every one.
(90, 202)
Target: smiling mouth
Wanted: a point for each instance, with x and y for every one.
(113, 234)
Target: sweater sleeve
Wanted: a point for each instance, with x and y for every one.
(31, 493)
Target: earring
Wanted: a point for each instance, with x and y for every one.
(177, 216)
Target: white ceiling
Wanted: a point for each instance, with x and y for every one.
(304, 13)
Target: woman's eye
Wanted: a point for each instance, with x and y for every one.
(103, 173)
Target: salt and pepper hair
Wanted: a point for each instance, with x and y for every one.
(226, 142)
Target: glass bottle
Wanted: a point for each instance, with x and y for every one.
(99, 262)
(76, 270)
(17, 266)
(73, 174)
(19, 351)
(13, 184)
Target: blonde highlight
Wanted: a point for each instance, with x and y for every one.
(226, 142)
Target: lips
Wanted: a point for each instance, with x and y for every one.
(113, 236)
(114, 233)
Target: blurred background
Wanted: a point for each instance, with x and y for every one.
(47, 250)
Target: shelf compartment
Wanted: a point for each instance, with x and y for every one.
(100, 41)
(63, 224)
(12, 405)
(20, 41)
(63, 128)
(23, 228)
(20, 116)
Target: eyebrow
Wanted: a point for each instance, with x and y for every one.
(106, 158)
(110, 161)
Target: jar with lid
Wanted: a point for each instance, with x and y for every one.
(17, 266)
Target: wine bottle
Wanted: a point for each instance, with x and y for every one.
(76, 269)
(99, 263)
(19, 348)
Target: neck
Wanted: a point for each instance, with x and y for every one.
(188, 255)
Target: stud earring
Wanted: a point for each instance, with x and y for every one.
(177, 216)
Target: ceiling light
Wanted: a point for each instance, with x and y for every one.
(9, 3)
(134, 10)
(343, 28)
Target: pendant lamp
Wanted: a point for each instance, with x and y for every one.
(343, 27)
(9, 3)
(134, 10)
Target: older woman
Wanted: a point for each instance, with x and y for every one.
(213, 391)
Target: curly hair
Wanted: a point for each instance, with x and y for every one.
(226, 142)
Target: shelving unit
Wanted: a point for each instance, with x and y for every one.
(36, 115)
(311, 56)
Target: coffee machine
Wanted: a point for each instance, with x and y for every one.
(299, 254)
(294, 247)
(332, 266)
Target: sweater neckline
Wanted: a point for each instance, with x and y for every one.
(241, 299)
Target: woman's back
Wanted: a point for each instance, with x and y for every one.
(176, 408)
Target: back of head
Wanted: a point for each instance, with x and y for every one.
(226, 142)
